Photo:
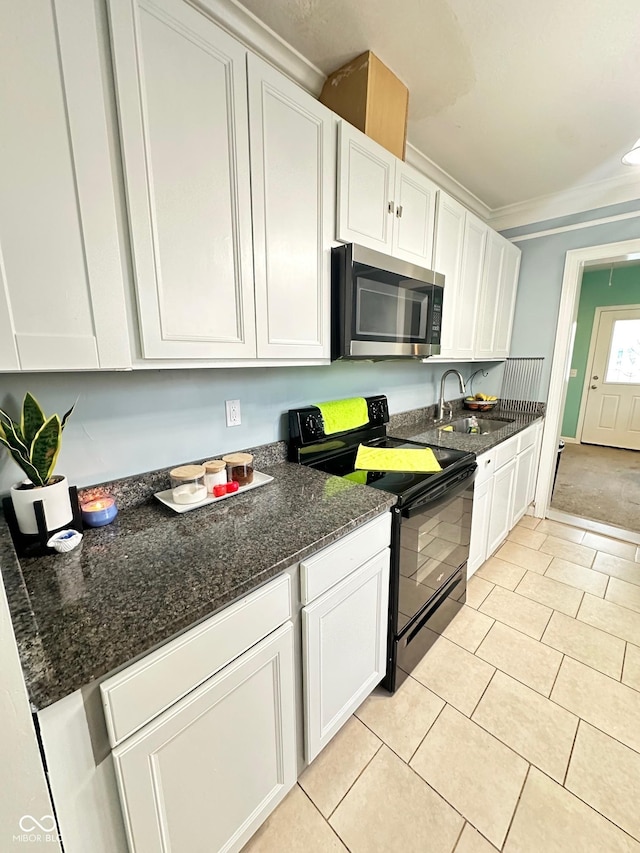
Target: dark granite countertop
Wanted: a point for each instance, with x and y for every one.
(422, 428)
(153, 573)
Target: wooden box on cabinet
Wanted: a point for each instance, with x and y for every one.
(370, 97)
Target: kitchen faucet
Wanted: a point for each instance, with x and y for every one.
(441, 403)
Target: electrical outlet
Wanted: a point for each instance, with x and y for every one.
(233, 412)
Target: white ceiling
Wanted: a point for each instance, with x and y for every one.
(515, 99)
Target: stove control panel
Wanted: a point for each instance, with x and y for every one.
(306, 425)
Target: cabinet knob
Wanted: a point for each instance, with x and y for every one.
(399, 211)
(390, 207)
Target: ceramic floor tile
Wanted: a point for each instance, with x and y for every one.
(525, 659)
(579, 554)
(623, 593)
(521, 613)
(501, 572)
(530, 538)
(333, 772)
(477, 590)
(610, 546)
(574, 575)
(468, 628)
(546, 590)
(529, 522)
(618, 567)
(401, 720)
(560, 531)
(606, 775)
(525, 558)
(610, 617)
(609, 705)
(461, 760)
(472, 842)
(537, 729)
(390, 808)
(585, 643)
(631, 670)
(454, 674)
(297, 827)
(549, 819)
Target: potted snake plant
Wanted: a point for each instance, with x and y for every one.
(34, 444)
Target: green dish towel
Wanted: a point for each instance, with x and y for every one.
(384, 459)
(341, 415)
(357, 477)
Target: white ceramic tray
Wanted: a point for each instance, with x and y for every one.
(166, 496)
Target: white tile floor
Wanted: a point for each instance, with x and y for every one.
(519, 731)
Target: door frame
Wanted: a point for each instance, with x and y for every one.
(590, 359)
(575, 262)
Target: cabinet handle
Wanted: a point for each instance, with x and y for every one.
(390, 207)
(399, 211)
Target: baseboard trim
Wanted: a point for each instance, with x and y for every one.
(569, 439)
(594, 526)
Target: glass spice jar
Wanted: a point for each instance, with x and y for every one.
(239, 467)
(215, 474)
(187, 484)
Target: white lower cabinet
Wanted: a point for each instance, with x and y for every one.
(504, 489)
(207, 772)
(344, 642)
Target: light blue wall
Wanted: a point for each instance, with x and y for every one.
(127, 423)
(541, 272)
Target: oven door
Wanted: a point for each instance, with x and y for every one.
(390, 308)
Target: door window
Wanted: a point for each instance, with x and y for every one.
(623, 365)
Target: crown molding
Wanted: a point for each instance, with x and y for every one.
(424, 164)
(261, 39)
(575, 200)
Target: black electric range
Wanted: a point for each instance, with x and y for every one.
(430, 530)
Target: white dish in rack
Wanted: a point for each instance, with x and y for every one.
(166, 497)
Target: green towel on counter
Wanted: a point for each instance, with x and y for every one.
(341, 415)
(357, 477)
(386, 459)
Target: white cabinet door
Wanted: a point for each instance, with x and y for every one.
(482, 497)
(489, 306)
(293, 175)
(470, 287)
(344, 643)
(506, 300)
(62, 301)
(205, 774)
(182, 104)
(415, 206)
(366, 186)
(501, 505)
(524, 473)
(531, 491)
(450, 229)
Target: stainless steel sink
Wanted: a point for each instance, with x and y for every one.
(473, 426)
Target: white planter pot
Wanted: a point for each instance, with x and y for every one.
(57, 506)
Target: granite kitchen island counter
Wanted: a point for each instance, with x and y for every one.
(152, 574)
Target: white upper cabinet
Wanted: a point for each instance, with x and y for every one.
(366, 186)
(182, 103)
(459, 254)
(61, 288)
(497, 300)
(383, 203)
(293, 175)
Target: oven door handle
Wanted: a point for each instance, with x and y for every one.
(443, 494)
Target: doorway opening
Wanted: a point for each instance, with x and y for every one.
(598, 483)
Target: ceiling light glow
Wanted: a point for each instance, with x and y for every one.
(632, 157)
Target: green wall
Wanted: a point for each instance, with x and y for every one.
(595, 293)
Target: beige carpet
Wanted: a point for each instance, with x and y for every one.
(600, 483)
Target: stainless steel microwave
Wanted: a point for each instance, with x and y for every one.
(383, 308)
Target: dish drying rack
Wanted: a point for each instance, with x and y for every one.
(521, 385)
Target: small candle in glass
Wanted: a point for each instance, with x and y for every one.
(98, 511)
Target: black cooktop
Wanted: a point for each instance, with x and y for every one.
(405, 484)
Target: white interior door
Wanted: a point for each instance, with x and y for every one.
(612, 414)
